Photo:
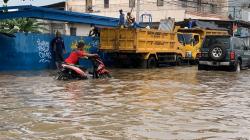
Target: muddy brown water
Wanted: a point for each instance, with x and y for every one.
(165, 103)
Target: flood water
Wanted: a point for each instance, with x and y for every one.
(136, 104)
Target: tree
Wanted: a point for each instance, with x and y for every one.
(27, 25)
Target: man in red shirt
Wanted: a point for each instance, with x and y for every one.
(75, 56)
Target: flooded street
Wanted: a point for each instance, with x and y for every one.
(165, 103)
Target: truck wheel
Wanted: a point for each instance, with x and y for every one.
(151, 63)
(217, 52)
(144, 64)
(178, 61)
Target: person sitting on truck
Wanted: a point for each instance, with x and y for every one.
(130, 19)
(191, 23)
(75, 55)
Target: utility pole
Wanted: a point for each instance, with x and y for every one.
(234, 12)
(5, 5)
(138, 11)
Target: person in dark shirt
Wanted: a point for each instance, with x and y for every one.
(121, 19)
(58, 49)
(191, 23)
(94, 31)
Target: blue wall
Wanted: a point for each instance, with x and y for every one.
(33, 51)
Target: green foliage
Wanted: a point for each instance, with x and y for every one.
(27, 25)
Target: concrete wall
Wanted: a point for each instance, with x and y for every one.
(246, 15)
(64, 28)
(235, 7)
(81, 29)
(33, 51)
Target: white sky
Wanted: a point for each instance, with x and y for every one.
(30, 2)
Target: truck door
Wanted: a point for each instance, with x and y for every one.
(197, 41)
(197, 44)
(241, 51)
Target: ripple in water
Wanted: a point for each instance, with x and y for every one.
(166, 103)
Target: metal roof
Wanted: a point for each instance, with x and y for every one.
(57, 6)
(29, 11)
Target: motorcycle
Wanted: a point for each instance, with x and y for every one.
(69, 71)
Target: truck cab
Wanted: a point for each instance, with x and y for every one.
(191, 43)
(193, 39)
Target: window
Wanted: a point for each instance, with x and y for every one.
(106, 3)
(131, 3)
(73, 31)
(185, 38)
(188, 38)
(160, 2)
(213, 8)
(184, 3)
(181, 38)
(198, 2)
(196, 40)
(212, 40)
(89, 6)
(238, 44)
(199, 5)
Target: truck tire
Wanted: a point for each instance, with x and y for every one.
(151, 62)
(144, 64)
(178, 60)
(217, 52)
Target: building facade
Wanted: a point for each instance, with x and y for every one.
(237, 8)
(160, 9)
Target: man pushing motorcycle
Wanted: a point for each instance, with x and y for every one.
(75, 55)
(71, 70)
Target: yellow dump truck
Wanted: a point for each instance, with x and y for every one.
(149, 47)
(192, 39)
(141, 47)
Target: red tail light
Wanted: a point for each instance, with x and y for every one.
(232, 55)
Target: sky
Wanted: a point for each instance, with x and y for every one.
(30, 2)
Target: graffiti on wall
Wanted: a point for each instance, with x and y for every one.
(74, 45)
(44, 51)
(94, 43)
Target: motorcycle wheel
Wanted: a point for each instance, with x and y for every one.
(105, 75)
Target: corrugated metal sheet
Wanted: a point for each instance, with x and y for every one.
(56, 15)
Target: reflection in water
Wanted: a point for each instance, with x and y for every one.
(166, 103)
